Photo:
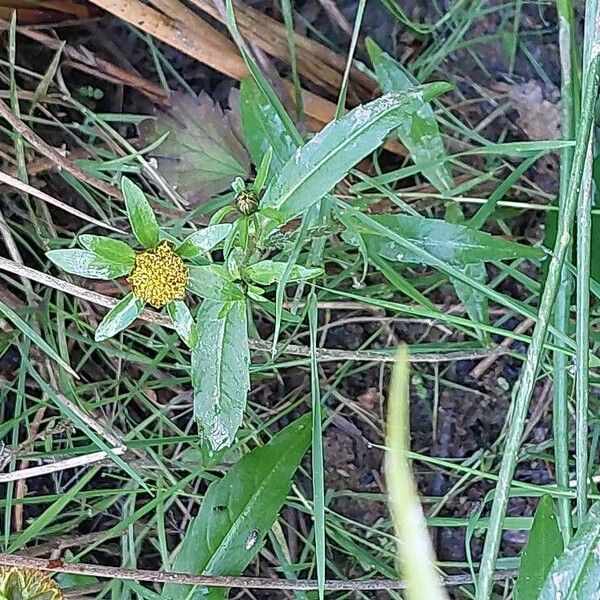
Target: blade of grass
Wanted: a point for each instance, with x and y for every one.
(560, 389)
(27, 331)
(318, 475)
(341, 103)
(288, 20)
(582, 331)
(531, 367)
(415, 552)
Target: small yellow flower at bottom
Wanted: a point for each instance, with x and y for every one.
(27, 584)
(159, 276)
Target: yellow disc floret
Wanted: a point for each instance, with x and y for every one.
(27, 584)
(159, 276)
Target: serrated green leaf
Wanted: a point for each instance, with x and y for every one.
(263, 129)
(110, 249)
(140, 213)
(326, 159)
(220, 370)
(545, 543)
(267, 272)
(214, 283)
(87, 264)
(182, 320)
(420, 134)
(202, 154)
(119, 317)
(575, 574)
(203, 240)
(240, 509)
(452, 243)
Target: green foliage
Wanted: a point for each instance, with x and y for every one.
(238, 510)
(420, 134)
(545, 543)
(220, 377)
(140, 213)
(330, 154)
(119, 317)
(88, 264)
(575, 574)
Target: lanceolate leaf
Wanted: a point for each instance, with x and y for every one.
(140, 213)
(204, 240)
(213, 282)
(263, 128)
(420, 134)
(326, 159)
(112, 250)
(575, 575)
(220, 370)
(452, 243)
(240, 509)
(87, 264)
(544, 545)
(119, 317)
(201, 154)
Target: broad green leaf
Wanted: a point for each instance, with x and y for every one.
(202, 153)
(214, 283)
(545, 543)
(110, 249)
(263, 129)
(240, 509)
(87, 264)
(452, 243)
(204, 240)
(267, 272)
(416, 557)
(575, 574)
(119, 317)
(183, 322)
(326, 159)
(220, 370)
(140, 213)
(420, 134)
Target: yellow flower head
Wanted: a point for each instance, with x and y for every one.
(27, 584)
(159, 276)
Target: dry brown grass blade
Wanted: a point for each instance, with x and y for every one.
(316, 62)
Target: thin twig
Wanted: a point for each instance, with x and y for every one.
(225, 581)
(69, 463)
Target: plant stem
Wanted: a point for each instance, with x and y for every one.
(531, 367)
(582, 336)
(560, 390)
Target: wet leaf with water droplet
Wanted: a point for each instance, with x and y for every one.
(220, 376)
(326, 159)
